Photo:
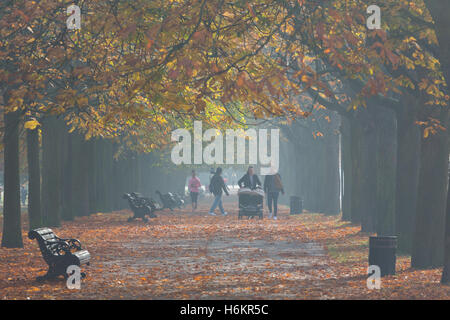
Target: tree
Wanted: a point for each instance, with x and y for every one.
(440, 11)
(12, 233)
(51, 188)
(34, 176)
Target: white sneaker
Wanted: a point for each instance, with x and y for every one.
(211, 213)
(270, 215)
(225, 213)
(275, 218)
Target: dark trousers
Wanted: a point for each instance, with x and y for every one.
(194, 197)
(273, 197)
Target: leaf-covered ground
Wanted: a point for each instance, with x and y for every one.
(181, 255)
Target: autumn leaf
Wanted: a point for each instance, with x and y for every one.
(31, 124)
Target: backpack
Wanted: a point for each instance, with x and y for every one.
(277, 182)
(213, 185)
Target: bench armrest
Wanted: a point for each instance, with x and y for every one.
(58, 247)
(73, 243)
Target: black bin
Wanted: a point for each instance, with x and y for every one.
(382, 253)
(296, 205)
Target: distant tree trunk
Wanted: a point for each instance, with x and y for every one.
(386, 157)
(407, 182)
(12, 225)
(313, 176)
(67, 207)
(428, 242)
(356, 181)
(87, 149)
(346, 163)
(284, 164)
(293, 173)
(369, 184)
(364, 174)
(34, 179)
(94, 171)
(108, 175)
(63, 150)
(121, 183)
(331, 205)
(51, 204)
(446, 272)
(116, 182)
(80, 175)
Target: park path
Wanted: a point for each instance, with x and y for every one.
(181, 255)
(204, 257)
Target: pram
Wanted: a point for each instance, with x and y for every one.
(251, 202)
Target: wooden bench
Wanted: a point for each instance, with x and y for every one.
(59, 253)
(140, 206)
(180, 202)
(153, 204)
(167, 200)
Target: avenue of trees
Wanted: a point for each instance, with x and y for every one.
(94, 106)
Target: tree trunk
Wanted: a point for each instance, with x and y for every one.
(440, 11)
(364, 174)
(331, 205)
(34, 179)
(51, 205)
(369, 182)
(346, 161)
(12, 224)
(428, 239)
(386, 157)
(94, 168)
(407, 182)
(356, 134)
(80, 175)
(446, 272)
(108, 175)
(67, 205)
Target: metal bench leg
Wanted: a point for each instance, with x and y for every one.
(51, 274)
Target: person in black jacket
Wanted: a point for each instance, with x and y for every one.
(216, 186)
(249, 180)
(272, 187)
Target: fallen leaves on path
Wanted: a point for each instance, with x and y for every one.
(182, 255)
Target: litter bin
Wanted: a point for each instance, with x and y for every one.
(382, 251)
(296, 205)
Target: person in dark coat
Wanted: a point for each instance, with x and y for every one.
(249, 180)
(272, 187)
(216, 187)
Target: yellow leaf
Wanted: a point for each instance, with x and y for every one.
(31, 124)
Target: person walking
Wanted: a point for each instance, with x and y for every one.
(249, 180)
(216, 187)
(23, 193)
(194, 185)
(272, 188)
(211, 174)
